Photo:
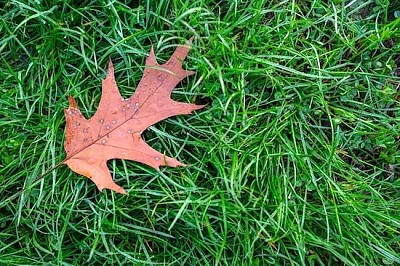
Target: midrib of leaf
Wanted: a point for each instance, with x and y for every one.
(141, 106)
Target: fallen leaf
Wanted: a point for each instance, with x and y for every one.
(114, 131)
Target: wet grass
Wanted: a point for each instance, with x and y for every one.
(295, 159)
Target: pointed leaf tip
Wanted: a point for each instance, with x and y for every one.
(110, 64)
(190, 40)
(190, 72)
(72, 102)
(151, 59)
(110, 69)
(113, 187)
(118, 189)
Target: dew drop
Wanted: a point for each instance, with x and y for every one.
(123, 110)
(128, 105)
(103, 141)
(101, 121)
(85, 130)
(107, 127)
(122, 99)
(77, 124)
(69, 112)
(137, 104)
(113, 121)
(157, 158)
(129, 131)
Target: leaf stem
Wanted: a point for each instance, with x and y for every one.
(38, 178)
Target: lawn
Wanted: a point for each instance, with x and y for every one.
(295, 160)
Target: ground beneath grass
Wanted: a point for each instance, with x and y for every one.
(295, 160)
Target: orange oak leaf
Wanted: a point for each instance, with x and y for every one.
(114, 131)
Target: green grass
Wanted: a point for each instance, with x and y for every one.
(294, 161)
